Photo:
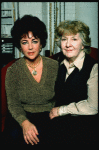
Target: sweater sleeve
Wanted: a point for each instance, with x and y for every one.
(13, 101)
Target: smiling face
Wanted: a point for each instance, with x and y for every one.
(71, 46)
(30, 46)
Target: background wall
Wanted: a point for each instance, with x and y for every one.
(84, 11)
(88, 13)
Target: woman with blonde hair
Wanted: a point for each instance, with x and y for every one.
(76, 86)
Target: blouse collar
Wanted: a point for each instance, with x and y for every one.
(77, 63)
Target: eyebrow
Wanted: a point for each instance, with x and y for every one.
(27, 40)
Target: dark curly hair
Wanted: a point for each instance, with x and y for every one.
(24, 25)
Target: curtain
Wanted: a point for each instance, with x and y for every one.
(58, 12)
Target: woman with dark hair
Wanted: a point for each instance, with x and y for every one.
(30, 83)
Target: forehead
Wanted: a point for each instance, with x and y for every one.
(71, 35)
(28, 35)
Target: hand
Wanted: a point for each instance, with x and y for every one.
(54, 112)
(30, 132)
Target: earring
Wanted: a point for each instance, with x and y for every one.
(40, 49)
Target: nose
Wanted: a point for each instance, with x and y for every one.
(68, 43)
(30, 46)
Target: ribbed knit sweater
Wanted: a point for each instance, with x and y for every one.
(24, 93)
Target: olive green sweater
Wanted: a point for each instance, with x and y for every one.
(24, 93)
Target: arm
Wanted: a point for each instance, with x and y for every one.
(84, 107)
(14, 105)
(13, 101)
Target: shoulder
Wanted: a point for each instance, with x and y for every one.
(89, 62)
(17, 65)
(50, 61)
(90, 59)
(90, 66)
(51, 65)
(94, 70)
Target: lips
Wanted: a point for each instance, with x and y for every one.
(30, 53)
(68, 50)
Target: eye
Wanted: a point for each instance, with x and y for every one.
(63, 39)
(35, 42)
(24, 43)
(74, 39)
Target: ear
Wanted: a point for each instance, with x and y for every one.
(82, 47)
(41, 47)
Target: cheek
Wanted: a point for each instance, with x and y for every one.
(37, 47)
(78, 49)
(24, 47)
(62, 44)
(78, 46)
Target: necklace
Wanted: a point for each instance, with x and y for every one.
(34, 72)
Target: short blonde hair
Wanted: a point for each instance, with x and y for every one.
(71, 28)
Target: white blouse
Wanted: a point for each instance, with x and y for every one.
(87, 106)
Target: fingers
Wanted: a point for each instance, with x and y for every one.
(31, 138)
(54, 112)
(51, 115)
(35, 138)
(25, 138)
(28, 139)
(36, 131)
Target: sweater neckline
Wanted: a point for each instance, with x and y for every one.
(31, 78)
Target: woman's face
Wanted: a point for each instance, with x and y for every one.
(71, 46)
(30, 46)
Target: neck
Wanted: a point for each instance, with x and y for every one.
(33, 62)
(70, 60)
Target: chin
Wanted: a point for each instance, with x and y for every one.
(30, 57)
(68, 55)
